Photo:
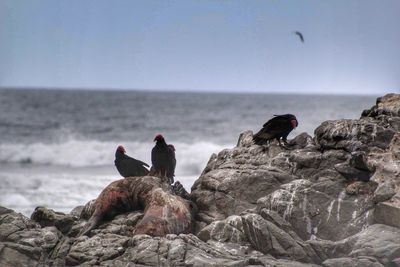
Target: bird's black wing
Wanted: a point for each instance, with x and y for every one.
(276, 122)
(300, 36)
(133, 167)
(154, 157)
(172, 163)
(135, 161)
(275, 128)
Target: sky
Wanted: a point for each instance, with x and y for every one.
(351, 46)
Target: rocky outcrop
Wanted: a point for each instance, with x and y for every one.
(331, 200)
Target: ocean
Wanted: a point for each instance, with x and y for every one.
(57, 146)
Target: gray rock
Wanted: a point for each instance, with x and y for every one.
(386, 105)
(228, 230)
(352, 173)
(385, 191)
(23, 242)
(270, 239)
(96, 249)
(378, 241)
(387, 213)
(47, 217)
(352, 262)
(353, 135)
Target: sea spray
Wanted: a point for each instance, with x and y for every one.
(191, 158)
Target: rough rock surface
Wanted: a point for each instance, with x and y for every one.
(331, 200)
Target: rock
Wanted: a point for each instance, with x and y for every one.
(355, 169)
(352, 262)
(387, 213)
(361, 188)
(234, 180)
(270, 239)
(98, 248)
(24, 242)
(228, 230)
(301, 141)
(385, 191)
(10, 256)
(358, 160)
(378, 241)
(47, 217)
(351, 173)
(388, 105)
(353, 135)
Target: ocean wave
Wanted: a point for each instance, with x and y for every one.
(191, 158)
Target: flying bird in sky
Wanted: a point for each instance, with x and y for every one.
(163, 159)
(300, 36)
(276, 128)
(128, 166)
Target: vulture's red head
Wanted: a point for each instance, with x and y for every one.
(121, 149)
(294, 123)
(158, 138)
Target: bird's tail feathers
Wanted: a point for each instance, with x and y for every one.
(259, 141)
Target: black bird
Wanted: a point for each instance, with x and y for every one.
(163, 159)
(300, 36)
(276, 128)
(128, 166)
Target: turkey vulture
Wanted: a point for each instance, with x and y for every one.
(128, 166)
(276, 128)
(300, 36)
(163, 159)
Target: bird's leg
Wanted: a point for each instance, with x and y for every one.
(162, 175)
(284, 139)
(279, 141)
(284, 144)
(165, 177)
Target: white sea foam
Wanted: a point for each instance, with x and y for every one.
(77, 171)
(191, 158)
(59, 188)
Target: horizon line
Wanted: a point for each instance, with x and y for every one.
(175, 90)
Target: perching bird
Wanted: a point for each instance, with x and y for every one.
(276, 128)
(163, 159)
(300, 36)
(128, 166)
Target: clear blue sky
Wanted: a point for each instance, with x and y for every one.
(240, 46)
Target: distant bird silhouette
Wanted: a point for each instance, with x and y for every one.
(128, 166)
(300, 36)
(276, 128)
